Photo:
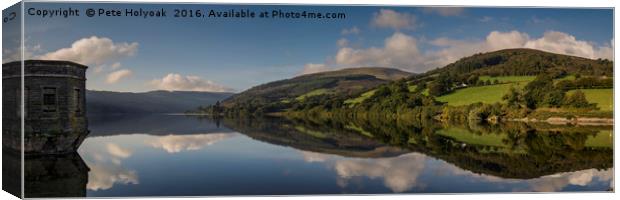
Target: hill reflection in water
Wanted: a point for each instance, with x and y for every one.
(165, 155)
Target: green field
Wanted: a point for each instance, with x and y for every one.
(361, 98)
(486, 94)
(494, 93)
(604, 98)
(490, 93)
(312, 93)
(368, 94)
(412, 88)
(467, 137)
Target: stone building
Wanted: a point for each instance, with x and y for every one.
(54, 102)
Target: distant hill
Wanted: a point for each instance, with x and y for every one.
(105, 102)
(344, 82)
(151, 124)
(526, 62)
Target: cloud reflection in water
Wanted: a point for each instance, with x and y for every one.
(178, 143)
(402, 173)
(105, 155)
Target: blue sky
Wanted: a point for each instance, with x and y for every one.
(235, 54)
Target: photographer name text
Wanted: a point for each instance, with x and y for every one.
(180, 13)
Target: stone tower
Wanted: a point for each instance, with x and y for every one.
(54, 104)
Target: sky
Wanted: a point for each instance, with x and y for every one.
(135, 54)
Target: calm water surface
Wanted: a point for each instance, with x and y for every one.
(166, 155)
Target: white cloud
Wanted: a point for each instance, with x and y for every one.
(350, 31)
(387, 18)
(10, 55)
(559, 42)
(402, 51)
(177, 82)
(178, 143)
(398, 51)
(445, 11)
(311, 68)
(503, 40)
(93, 51)
(14, 54)
(105, 67)
(116, 76)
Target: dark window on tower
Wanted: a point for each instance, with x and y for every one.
(49, 99)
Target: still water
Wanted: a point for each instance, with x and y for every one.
(172, 155)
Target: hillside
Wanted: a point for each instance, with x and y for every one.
(105, 102)
(522, 81)
(526, 62)
(342, 82)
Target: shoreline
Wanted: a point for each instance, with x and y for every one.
(587, 121)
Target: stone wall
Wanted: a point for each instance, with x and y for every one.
(59, 126)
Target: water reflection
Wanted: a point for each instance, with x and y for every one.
(557, 182)
(54, 176)
(105, 159)
(543, 156)
(178, 143)
(278, 157)
(402, 173)
(399, 174)
(103, 176)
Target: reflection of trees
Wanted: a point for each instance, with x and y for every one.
(533, 150)
(340, 140)
(527, 150)
(11, 172)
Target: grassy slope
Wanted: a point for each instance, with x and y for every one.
(312, 93)
(368, 94)
(604, 98)
(493, 93)
(342, 82)
(485, 94)
(361, 98)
